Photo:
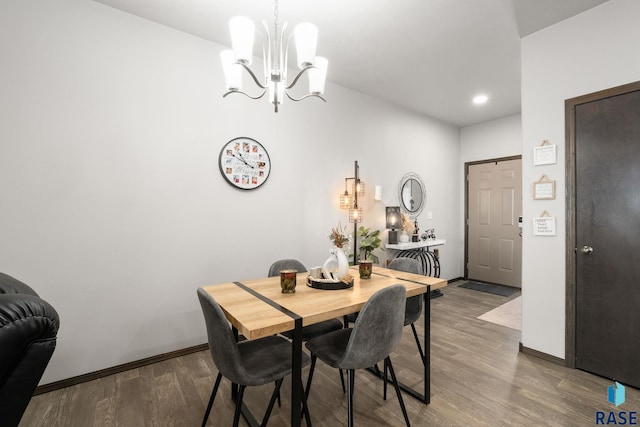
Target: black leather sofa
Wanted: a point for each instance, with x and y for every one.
(28, 330)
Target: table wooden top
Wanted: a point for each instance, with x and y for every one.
(258, 308)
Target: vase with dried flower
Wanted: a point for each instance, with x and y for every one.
(337, 265)
(407, 228)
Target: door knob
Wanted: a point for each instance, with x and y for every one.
(587, 250)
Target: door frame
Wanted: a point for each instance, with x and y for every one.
(570, 214)
(466, 203)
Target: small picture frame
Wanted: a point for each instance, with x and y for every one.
(544, 154)
(544, 226)
(545, 189)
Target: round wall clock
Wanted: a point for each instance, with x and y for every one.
(244, 163)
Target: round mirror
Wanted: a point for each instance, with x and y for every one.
(412, 194)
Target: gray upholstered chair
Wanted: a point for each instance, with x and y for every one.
(414, 304)
(376, 333)
(311, 331)
(248, 363)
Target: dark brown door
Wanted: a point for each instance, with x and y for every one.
(607, 221)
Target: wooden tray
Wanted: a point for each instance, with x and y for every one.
(345, 283)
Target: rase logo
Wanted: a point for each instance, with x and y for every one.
(615, 396)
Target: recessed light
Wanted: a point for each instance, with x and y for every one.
(480, 99)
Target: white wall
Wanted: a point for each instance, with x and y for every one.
(593, 51)
(491, 140)
(113, 207)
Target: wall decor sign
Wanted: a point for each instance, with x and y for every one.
(544, 189)
(545, 154)
(244, 163)
(544, 225)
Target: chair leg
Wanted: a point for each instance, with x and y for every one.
(211, 399)
(395, 383)
(376, 369)
(236, 417)
(272, 401)
(384, 393)
(310, 377)
(415, 335)
(305, 408)
(350, 384)
(279, 402)
(342, 381)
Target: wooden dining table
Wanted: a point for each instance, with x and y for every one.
(257, 308)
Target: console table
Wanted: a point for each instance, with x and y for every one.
(420, 251)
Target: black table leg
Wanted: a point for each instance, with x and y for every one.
(427, 345)
(296, 375)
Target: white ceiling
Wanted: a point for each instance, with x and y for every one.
(430, 56)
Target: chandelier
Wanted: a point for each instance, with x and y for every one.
(275, 55)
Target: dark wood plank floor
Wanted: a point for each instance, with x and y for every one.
(478, 378)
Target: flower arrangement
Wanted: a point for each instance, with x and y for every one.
(339, 236)
(407, 224)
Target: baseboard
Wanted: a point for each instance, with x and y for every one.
(541, 355)
(117, 369)
(454, 280)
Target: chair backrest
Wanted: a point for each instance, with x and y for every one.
(408, 265)
(414, 304)
(286, 264)
(377, 330)
(222, 344)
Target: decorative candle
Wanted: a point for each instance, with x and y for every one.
(288, 281)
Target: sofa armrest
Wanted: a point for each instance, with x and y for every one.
(11, 285)
(28, 330)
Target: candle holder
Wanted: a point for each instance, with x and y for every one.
(365, 269)
(288, 281)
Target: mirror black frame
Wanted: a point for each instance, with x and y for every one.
(411, 177)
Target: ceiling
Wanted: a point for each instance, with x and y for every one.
(429, 56)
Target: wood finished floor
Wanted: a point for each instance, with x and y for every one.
(478, 378)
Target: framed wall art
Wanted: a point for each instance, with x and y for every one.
(544, 225)
(544, 189)
(545, 154)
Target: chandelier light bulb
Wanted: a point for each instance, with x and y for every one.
(232, 71)
(318, 76)
(306, 37)
(242, 35)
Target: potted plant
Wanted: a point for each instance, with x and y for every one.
(369, 240)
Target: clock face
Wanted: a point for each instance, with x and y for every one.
(244, 163)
